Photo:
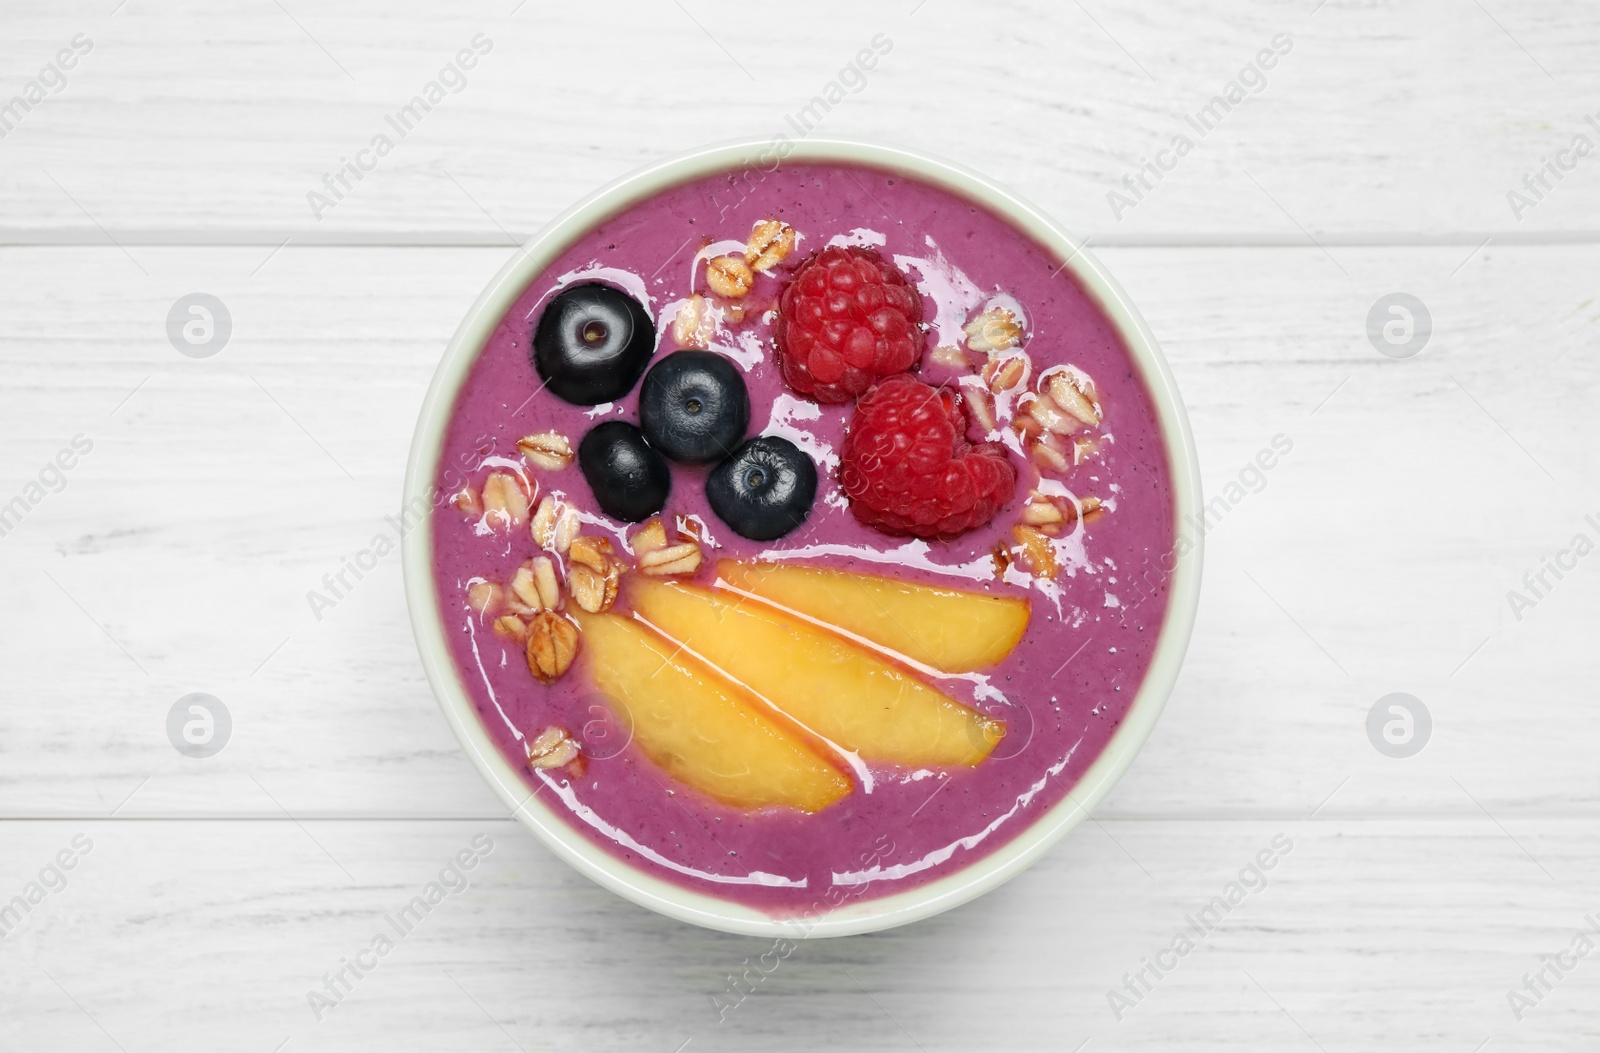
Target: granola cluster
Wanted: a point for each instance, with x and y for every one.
(730, 279)
(585, 569)
(1054, 415)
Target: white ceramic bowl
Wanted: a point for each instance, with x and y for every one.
(857, 916)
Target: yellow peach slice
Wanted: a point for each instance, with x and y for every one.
(949, 629)
(833, 687)
(699, 728)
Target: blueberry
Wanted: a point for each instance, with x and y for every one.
(765, 489)
(629, 479)
(592, 342)
(694, 407)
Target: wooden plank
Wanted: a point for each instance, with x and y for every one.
(1382, 121)
(1366, 933)
(1377, 558)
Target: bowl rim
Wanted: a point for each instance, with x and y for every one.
(753, 157)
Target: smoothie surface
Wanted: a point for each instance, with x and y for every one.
(1061, 692)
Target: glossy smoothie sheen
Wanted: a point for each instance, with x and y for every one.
(1061, 693)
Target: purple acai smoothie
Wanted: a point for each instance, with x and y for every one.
(1097, 590)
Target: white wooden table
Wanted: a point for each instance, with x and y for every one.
(1377, 557)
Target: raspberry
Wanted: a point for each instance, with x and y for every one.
(909, 469)
(846, 318)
